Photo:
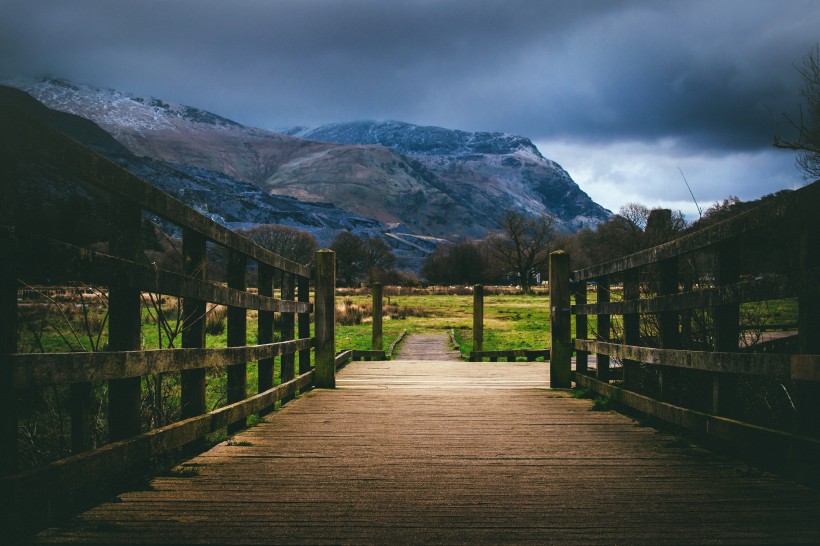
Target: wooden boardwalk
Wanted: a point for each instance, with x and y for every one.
(427, 347)
(453, 452)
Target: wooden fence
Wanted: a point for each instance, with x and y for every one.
(31, 497)
(673, 340)
(478, 354)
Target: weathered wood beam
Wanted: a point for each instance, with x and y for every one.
(801, 203)
(46, 369)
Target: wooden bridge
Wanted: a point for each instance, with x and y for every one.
(414, 450)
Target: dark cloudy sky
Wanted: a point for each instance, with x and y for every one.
(624, 94)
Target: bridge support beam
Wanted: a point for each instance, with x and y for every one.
(325, 308)
(560, 325)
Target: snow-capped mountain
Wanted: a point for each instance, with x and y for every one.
(484, 169)
(435, 182)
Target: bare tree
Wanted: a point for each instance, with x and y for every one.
(807, 142)
(289, 242)
(523, 245)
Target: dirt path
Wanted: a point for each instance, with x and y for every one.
(427, 347)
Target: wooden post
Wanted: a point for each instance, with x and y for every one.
(124, 395)
(8, 305)
(726, 319)
(237, 335)
(304, 324)
(8, 345)
(808, 327)
(602, 361)
(669, 320)
(478, 318)
(560, 323)
(632, 330)
(287, 371)
(378, 343)
(581, 327)
(325, 330)
(194, 254)
(265, 274)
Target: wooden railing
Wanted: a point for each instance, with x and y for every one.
(35, 495)
(673, 316)
(478, 354)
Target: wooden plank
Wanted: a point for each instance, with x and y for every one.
(503, 458)
(789, 451)
(47, 255)
(303, 319)
(631, 322)
(795, 206)
(46, 369)
(768, 365)
(41, 143)
(37, 489)
(581, 325)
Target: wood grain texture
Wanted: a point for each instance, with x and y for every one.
(452, 452)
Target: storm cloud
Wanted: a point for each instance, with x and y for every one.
(675, 85)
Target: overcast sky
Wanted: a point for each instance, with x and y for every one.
(623, 94)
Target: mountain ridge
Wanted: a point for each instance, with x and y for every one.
(438, 182)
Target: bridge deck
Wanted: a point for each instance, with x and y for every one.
(453, 452)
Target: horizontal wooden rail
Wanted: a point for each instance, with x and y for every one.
(770, 288)
(797, 203)
(45, 369)
(511, 354)
(343, 358)
(797, 367)
(49, 256)
(93, 170)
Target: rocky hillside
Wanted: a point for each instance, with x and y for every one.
(434, 181)
(482, 171)
(226, 200)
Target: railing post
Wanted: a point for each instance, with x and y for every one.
(808, 326)
(603, 321)
(669, 321)
(194, 253)
(726, 320)
(478, 319)
(287, 371)
(632, 330)
(124, 395)
(324, 311)
(581, 327)
(264, 334)
(378, 340)
(304, 323)
(560, 324)
(8, 304)
(8, 345)
(237, 335)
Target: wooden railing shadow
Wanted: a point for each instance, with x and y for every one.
(33, 498)
(677, 331)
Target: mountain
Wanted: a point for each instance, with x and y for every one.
(232, 202)
(483, 171)
(442, 183)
